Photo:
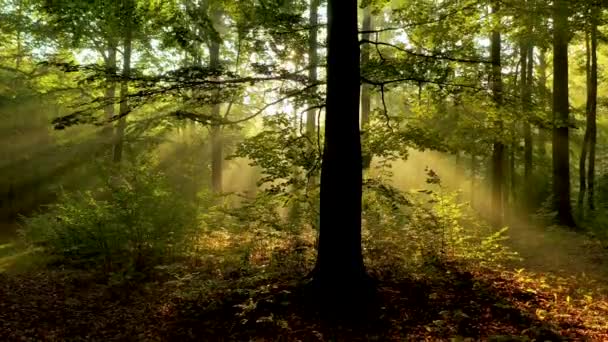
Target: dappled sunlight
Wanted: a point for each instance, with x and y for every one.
(197, 170)
(241, 177)
(557, 250)
(454, 173)
(15, 259)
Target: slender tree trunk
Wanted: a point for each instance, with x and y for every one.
(313, 60)
(583, 158)
(340, 272)
(592, 109)
(473, 175)
(498, 146)
(512, 175)
(543, 99)
(528, 139)
(11, 193)
(19, 36)
(365, 88)
(561, 110)
(216, 130)
(124, 91)
(110, 92)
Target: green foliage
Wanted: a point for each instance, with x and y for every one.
(427, 226)
(132, 221)
(286, 157)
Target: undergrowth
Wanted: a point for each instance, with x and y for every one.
(235, 271)
(132, 221)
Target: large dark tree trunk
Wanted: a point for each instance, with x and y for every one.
(216, 141)
(124, 87)
(592, 110)
(340, 273)
(365, 88)
(498, 146)
(561, 110)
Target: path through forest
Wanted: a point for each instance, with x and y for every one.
(558, 251)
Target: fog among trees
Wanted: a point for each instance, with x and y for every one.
(303, 170)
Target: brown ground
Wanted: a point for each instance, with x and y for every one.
(548, 300)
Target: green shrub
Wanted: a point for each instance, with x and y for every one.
(427, 226)
(133, 221)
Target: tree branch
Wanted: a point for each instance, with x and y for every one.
(421, 55)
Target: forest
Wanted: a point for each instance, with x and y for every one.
(303, 170)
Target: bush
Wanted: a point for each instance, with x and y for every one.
(426, 227)
(132, 221)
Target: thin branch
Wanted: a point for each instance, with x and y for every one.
(377, 49)
(414, 79)
(385, 109)
(422, 23)
(421, 55)
(261, 110)
(319, 131)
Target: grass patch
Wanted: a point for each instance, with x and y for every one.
(16, 258)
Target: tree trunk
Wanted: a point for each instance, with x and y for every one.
(124, 90)
(513, 176)
(110, 93)
(543, 99)
(561, 110)
(592, 110)
(583, 158)
(528, 139)
(365, 88)
(216, 141)
(19, 36)
(498, 146)
(340, 274)
(473, 175)
(313, 60)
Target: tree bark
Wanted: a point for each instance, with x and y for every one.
(543, 98)
(340, 273)
(365, 88)
(561, 110)
(583, 158)
(110, 93)
(19, 36)
(512, 173)
(592, 110)
(528, 139)
(216, 141)
(313, 61)
(498, 146)
(473, 175)
(124, 86)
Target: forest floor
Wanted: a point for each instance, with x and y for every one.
(554, 294)
(559, 251)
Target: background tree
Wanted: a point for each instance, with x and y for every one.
(590, 137)
(498, 145)
(561, 117)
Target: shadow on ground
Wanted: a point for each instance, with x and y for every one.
(453, 304)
